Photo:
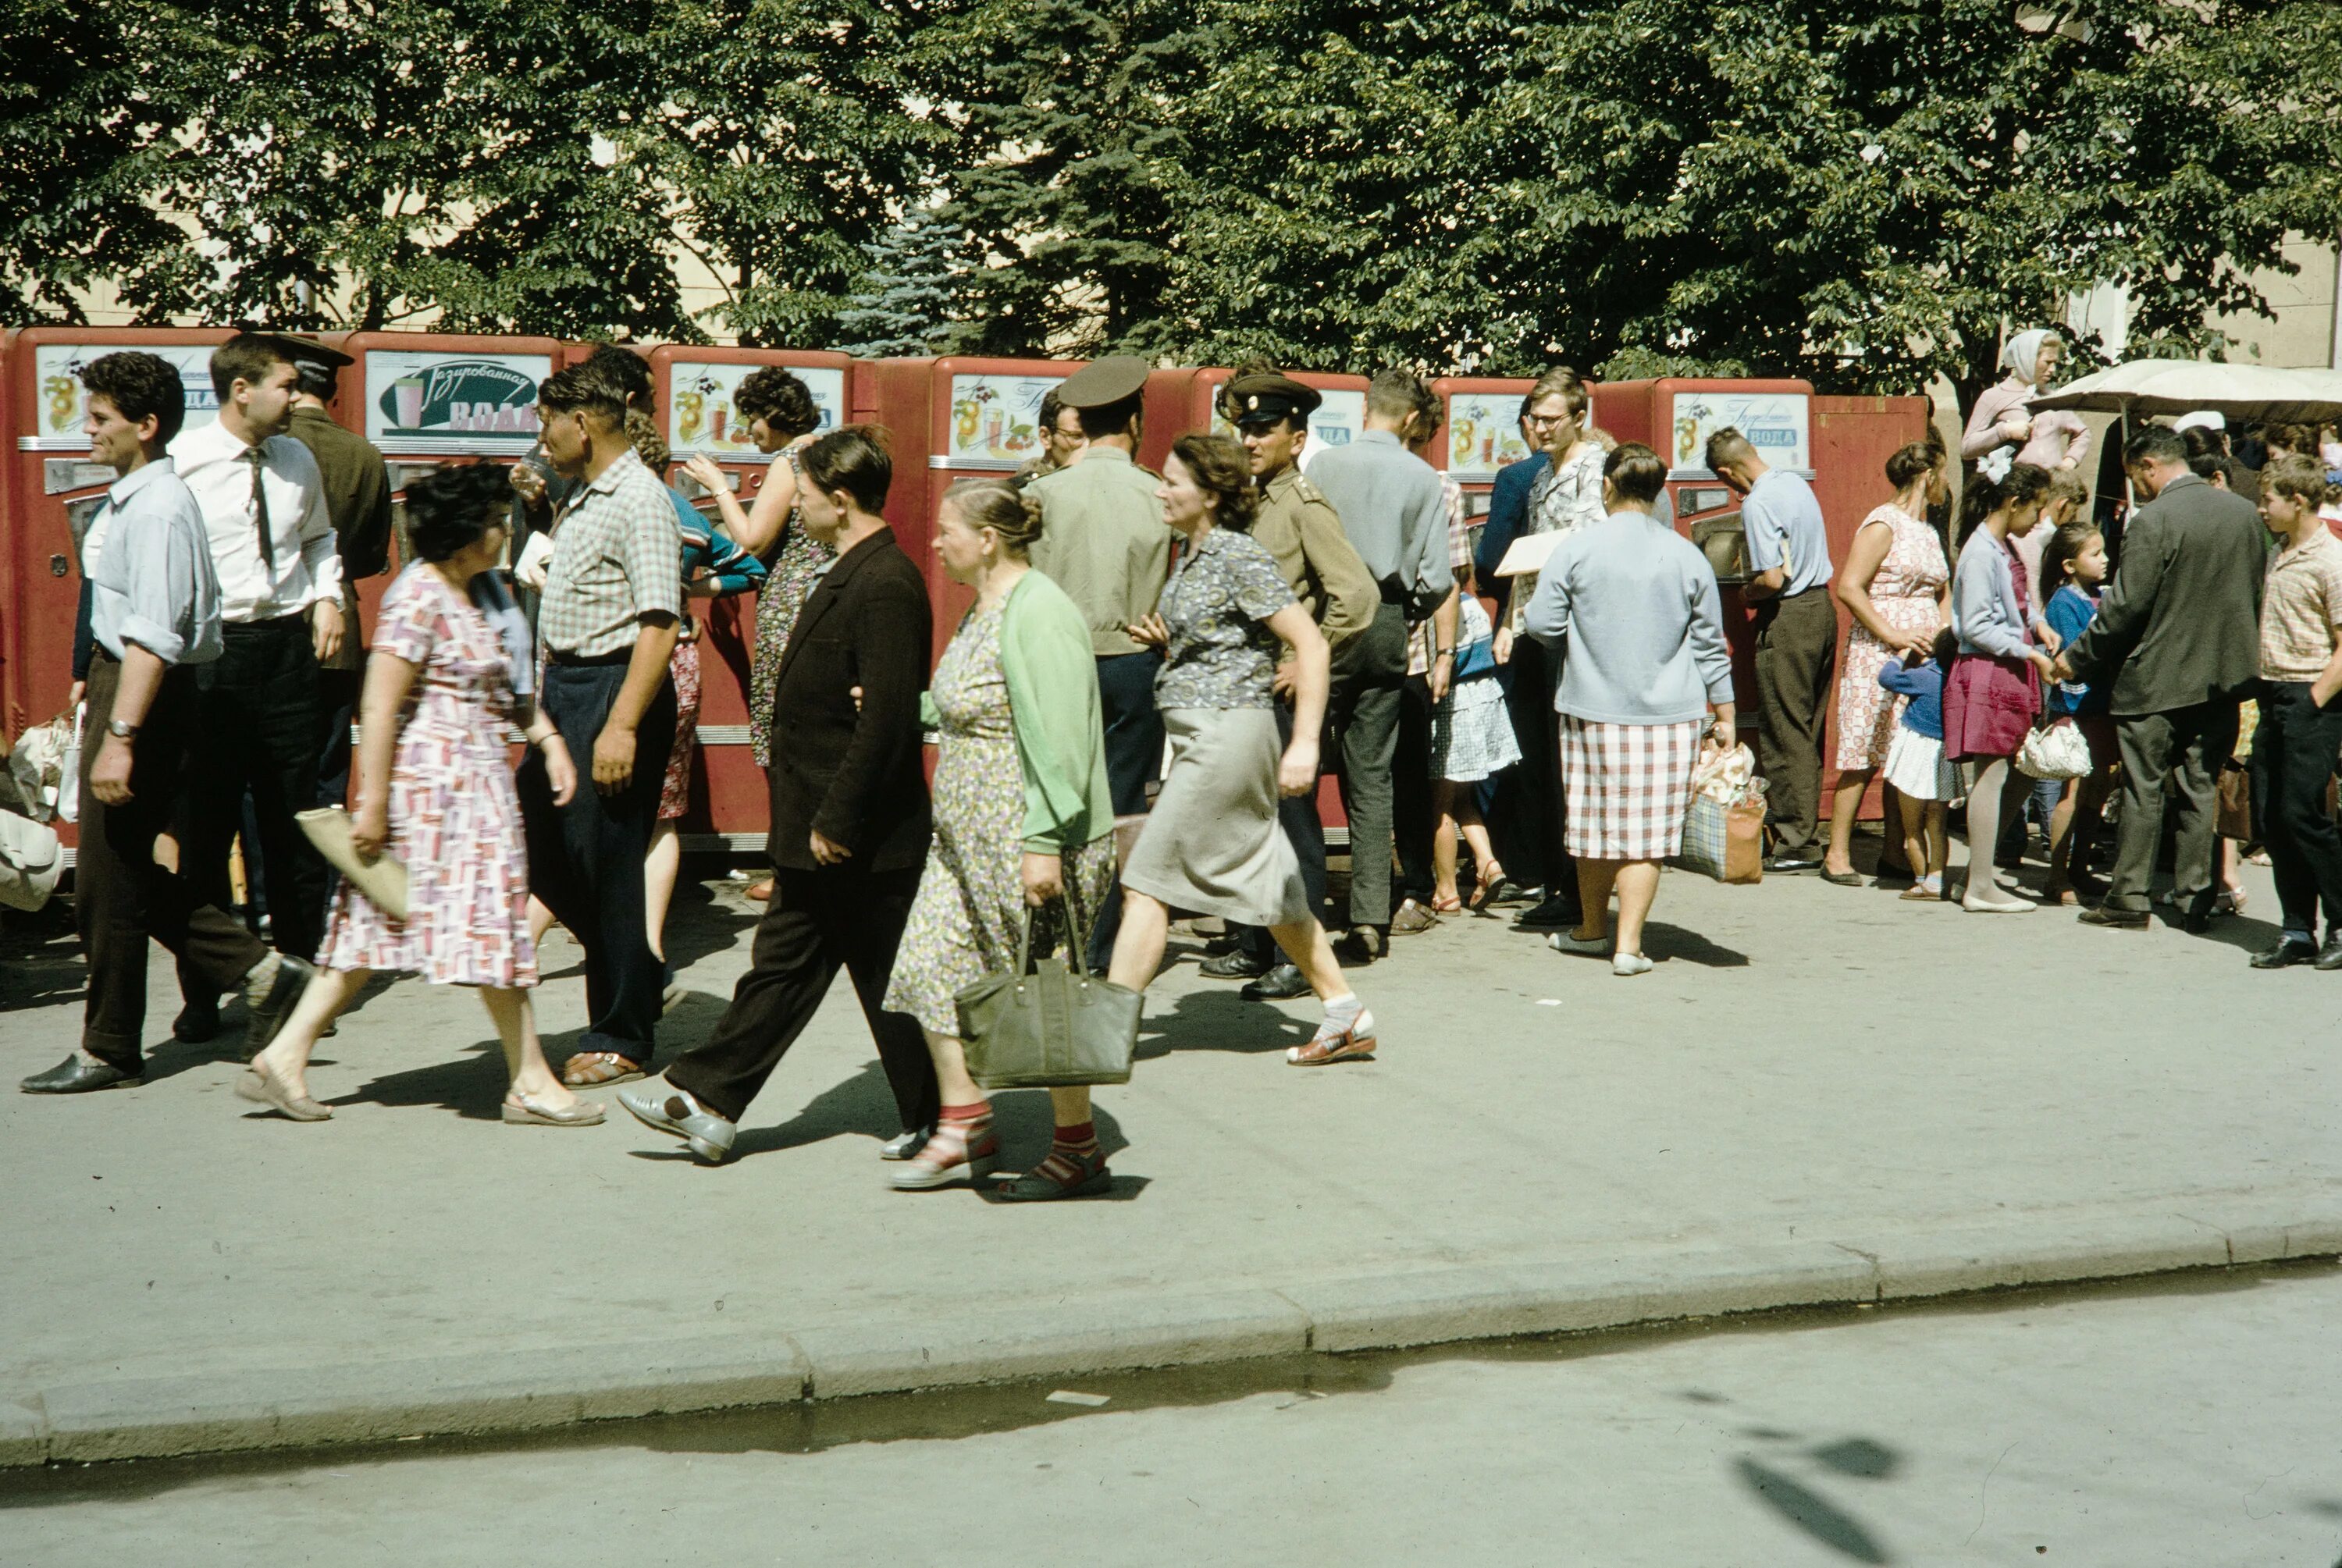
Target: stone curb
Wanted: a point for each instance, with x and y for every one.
(516, 1392)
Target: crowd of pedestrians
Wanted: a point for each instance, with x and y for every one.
(1132, 720)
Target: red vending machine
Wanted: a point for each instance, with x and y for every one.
(1483, 433)
(52, 490)
(730, 808)
(952, 419)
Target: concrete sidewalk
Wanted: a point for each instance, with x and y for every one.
(1821, 1094)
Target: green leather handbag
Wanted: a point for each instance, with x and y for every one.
(1048, 1024)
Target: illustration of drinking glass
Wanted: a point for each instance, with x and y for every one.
(407, 396)
(722, 413)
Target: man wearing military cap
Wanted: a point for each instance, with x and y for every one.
(357, 502)
(1104, 543)
(1299, 526)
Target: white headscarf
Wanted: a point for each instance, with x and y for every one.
(2023, 352)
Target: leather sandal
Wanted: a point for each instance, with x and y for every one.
(262, 1088)
(592, 1069)
(1327, 1049)
(1491, 875)
(527, 1111)
(1090, 1181)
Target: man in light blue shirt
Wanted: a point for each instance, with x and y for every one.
(1396, 514)
(155, 613)
(1797, 641)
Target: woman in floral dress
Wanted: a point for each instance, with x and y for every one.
(782, 418)
(1023, 812)
(436, 793)
(1897, 587)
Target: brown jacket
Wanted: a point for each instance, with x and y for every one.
(1299, 526)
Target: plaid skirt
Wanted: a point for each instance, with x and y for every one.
(1627, 787)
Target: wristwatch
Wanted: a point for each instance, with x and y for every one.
(121, 731)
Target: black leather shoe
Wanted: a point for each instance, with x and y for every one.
(1235, 965)
(2290, 951)
(2330, 955)
(1558, 913)
(197, 1022)
(77, 1075)
(2114, 919)
(1792, 863)
(1279, 985)
(270, 1011)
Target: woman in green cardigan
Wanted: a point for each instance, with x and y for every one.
(1023, 813)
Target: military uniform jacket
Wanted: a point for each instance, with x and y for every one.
(1299, 526)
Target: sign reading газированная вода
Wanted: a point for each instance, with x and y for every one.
(420, 401)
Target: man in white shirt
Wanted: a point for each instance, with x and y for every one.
(280, 580)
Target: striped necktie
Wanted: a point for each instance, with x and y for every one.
(257, 458)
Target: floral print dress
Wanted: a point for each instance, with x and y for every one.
(795, 570)
(1906, 593)
(455, 817)
(970, 907)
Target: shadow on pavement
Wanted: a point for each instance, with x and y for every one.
(1219, 1021)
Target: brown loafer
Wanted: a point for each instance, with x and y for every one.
(1412, 918)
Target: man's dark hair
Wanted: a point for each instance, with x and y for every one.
(1430, 412)
(1727, 446)
(2155, 444)
(586, 389)
(1395, 394)
(319, 381)
(1636, 472)
(248, 356)
(780, 399)
(139, 385)
(854, 460)
(1051, 407)
(453, 504)
(629, 370)
(1112, 418)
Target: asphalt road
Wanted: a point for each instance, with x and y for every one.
(2185, 1422)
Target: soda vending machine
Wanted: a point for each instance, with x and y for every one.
(53, 488)
(1482, 434)
(427, 398)
(729, 807)
(952, 419)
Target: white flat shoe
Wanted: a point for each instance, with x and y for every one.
(1566, 942)
(1630, 963)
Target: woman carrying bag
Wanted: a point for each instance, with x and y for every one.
(1024, 815)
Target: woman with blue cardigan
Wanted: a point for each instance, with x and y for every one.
(1024, 813)
(1994, 689)
(1646, 690)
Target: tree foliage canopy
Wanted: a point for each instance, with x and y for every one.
(1864, 196)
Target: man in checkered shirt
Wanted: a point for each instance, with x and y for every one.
(612, 602)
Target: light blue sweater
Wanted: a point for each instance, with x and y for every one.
(1986, 611)
(1637, 604)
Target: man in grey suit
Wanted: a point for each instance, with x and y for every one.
(2179, 632)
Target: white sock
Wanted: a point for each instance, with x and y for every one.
(1346, 1012)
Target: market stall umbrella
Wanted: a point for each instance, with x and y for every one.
(2245, 392)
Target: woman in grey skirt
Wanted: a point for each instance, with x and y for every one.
(1212, 843)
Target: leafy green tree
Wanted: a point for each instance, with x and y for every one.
(1067, 165)
(902, 305)
(785, 133)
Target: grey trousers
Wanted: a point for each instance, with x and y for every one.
(1369, 685)
(2187, 743)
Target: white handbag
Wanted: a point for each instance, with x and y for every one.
(2056, 751)
(31, 861)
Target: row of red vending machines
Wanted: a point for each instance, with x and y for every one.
(425, 399)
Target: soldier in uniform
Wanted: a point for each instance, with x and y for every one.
(1299, 526)
(1104, 543)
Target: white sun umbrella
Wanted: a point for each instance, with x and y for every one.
(2245, 392)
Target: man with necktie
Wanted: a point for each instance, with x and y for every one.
(280, 580)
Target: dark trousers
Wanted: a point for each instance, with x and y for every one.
(2187, 743)
(1796, 646)
(586, 858)
(1133, 759)
(1298, 815)
(1413, 822)
(337, 709)
(121, 897)
(257, 706)
(2294, 753)
(1527, 809)
(815, 922)
(1369, 691)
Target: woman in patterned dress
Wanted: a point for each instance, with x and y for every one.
(1212, 843)
(435, 791)
(782, 418)
(1024, 811)
(1897, 586)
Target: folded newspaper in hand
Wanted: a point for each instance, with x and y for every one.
(382, 879)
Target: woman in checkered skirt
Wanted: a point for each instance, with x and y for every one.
(1630, 608)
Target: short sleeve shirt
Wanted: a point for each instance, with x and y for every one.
(617, 556)
(1220, 654)
(1783, 524)
(2301, 610)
